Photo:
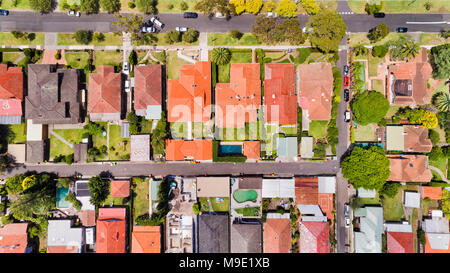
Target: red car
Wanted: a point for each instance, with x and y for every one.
(346, 81)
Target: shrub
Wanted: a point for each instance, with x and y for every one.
(73, 199)
(196, 208)
(83, 36)
(379, 51)
(190, 36)
(173, 36)
(69, 159)
(369, 107)
(183, 6)
(434, 136)
(58, 55)
(131, 5)
(99, 37)
(170, 6)
(236, 34)
(436, 153)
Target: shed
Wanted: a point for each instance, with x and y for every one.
(411, 199)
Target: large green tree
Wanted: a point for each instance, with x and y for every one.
(83, 36)
(190, 36)
(366, 168)
(99, 188)
(369, 107)
(292, 31)
(440, 60)
(403, 48)
(443, 101)
(377, 33)
(208, 7)
(266, 30)
(89, 6)
(41, 5)
(147, 6)
(328, 29)
(110, 5)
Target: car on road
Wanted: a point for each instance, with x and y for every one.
(379, 15)
(156, 22)
(347, 116)
(346, 70)
(346, 94)
(402, 29)
(127, 86)
(346, 210)
(4, 12)
(181, 29)
(126, 67)
(346, 81)
(190, 15)
(272, 14)
(148, 29)
(73, 13)
(347, 222)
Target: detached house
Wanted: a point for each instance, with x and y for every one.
(197, 149)
(148, 91)
(14, 238)
(105, 95)
(63, 238)
(409, 168)
(11, 94)
(408, 138)
(213, 233)
(111, 230)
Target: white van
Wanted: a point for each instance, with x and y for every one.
(156, 22)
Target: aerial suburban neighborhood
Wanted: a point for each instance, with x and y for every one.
(224, 126)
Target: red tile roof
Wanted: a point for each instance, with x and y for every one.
(179, 149)
(120, 188)
(315, 88)
(105, 91)
(146, 239)
(147, 86)
(189, 98)
(252, 149)
(314, 237)
(306, 191)
(409, 168)
(62, 249)
(400, 242)
(434, 193)
(326, 203)
(11, 82)
(15, 237)
(280, 98)
(111, 230)
(11, 107)
(277, 236)
(416, 139)
(237, 102)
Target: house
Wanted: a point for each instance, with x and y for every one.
(306, 191)
(148, 91)
(409, 168)
(315, 88)
(314, 237)
(11, 94)
(140, 148)
(111, 230)
(252, 149)
(189, 97)
(146, 239)
(37, 144)
(407, 81)
(287, 147)
(327, 184)
(368, 238)
(436, 233)
(105, 95)
(408, 138)
(213, 233)
(278, 188)
(311, 213)
(433, 193)
(306, 147)
(120, 188)
(238, 101)
(53, 95)
(277, 235)
(83, 195)
(400, 238)
(411, 199)
(14, 238)
(180, 233)
(197, 149)
(280, 98)
(213, 186)
(62, 237)
(246, 238)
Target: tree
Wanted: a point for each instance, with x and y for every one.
(377, 33)
(131, 24)
(183, 6)
(373, 8)
(380, 51)
(433, 136)
(99, 37)
(236, 34)
(366, 168)
(99, 188)
(190, 36)
(208, 7)
(69, 158)
(287, 8)
(73, 199)
(173, 36)
(292, 31)
(436, 153)
(266, 30)
(146, 6)
(445, 33)
(110, 6)
(196, 208)
(325, 35)
(148, 39)
(270, 6)
(18, 34)
(403, 48)
(446, 203)
(58, 55)
(221, 55)
(428, 5)
(369, 107)
(159, 135)
(14, 184)
(253, 6)
(390, 189)
(132, 58)
(83, 36)
(360, 50)
(310, 6)
(239, 5)
(443, 101)
(440, 61)
(42, 6)
(89, 6)
(424, 117)
(93, 128)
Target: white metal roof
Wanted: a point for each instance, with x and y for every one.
(279, 187)
(412, 199)
(60, 233)
(327, 184)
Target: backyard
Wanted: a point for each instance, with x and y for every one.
(10, 57)
(140, 196)
(365, 133)
(318, 128)
(393, 207)
(249, 211)
(223, 206)
(119, 147)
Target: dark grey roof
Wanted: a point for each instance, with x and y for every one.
(35, 151)
(82, 189)
(125, 129)
(213, 234)
(80, 151)
(52, 95)
(10, 119)
(250, 183)
(246, 238)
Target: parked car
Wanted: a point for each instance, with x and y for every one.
(127, 86)
(272, 14)
(346, 69)
(148, 29)
(346, 94)
(346, 210)
(73, 13)
(346, 81)
(218, 15)
(181, 29)
(347, 222)
(125, 67)
(347, 116)
(190, 15)
(402, 29)
(156, 22)
(379, 15)
(4, 12)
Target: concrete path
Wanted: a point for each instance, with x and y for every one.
(184, 57)
(439, 172)
(203, 39)
(51, 40)
(61, 138)
(19, 59)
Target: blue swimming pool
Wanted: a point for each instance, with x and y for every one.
(369, 144)
(230, 149)
(61, 194)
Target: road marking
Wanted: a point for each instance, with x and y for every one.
(428, 23)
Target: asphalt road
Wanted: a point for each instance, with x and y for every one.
(61, 22)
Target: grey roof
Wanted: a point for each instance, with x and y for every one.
(52, 95)
(363, 193)
(60, 233)
(250, 183)
(368, 239)
(35, 151)
(80, 152)
(398, 227)
(327, 184)
(306, 147)
(246, 238)
(153, 112)
(411, 199)
(125, 130)
(81, 188)
(436, 225)
(213, 234)
(10, 119)
(287, 146)
(311, 213)
(439, 240)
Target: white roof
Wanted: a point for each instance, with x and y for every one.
(34, 131)
(314, 213)
(60, 233)
(436, 225)
(89, 236)
(363, 193)
(412, 199)
(279, 187)
(398, 227)
(437, 213)
(439, 240)
(327, 184)
(368, 240)
(306, 147)
(275, 215)
(86, 203)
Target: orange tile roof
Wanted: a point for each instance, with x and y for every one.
(252, 149)
(315, 88)
(434, 193)
(280, 98)
(105, 91)
(147, 86)
(120, 188)
(11, 107)
(326, 203)
(146, 239)
(306, 191)
(409, 168)
(237, 102)
(111, 230)
(277, 236)
(15, 237)
(314, 237)
(416, 139)
(400, 242)
(62, 249)
(179, 149)
(189, 98)
(428, 248)
(11, 82)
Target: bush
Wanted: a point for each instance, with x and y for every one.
(303, 54)
(146, 6)
(221, 55)
(42, 6)
(434, 136)
(190, 36)
(436, 153)
(196, 208)
(396, 119)
(110, 5)
(73, 199)
(69, 159)
(173, 36)
(380, 51)
(170, 6)
(236, 34)
(369, 107)
(83, 36)
(58, 55)
(183, 6)
(390, 189)
(99, 37)
(131, 5)
(7, 219)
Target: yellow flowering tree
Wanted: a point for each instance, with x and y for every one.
(253, 6)
(287, 8)
(239, 5)
(270, 6)
(446, 203)
(310, 6)
(28, 182)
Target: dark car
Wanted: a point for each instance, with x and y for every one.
(346, 94)
(346, 210)
(379, 15)
(402, 29)
(190, 15)
(4, 12)
(345, 69)
(346, 81)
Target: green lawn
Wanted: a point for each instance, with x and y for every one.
(15, 5)
(373, 65)
(121, 145)
(162, 6)
(179, 129)
(377, 85)
(19, 132)
(57, 147)
(403, 6)
(237, 56)
(77, 59)
(10, 57)
(110, 40)
(117, 201)
(174, 65)
(72, 135)
(230, 133)
(107, 58)
(161, 56)
(432, 39)
(429, 204)
(361, 38)
(318, 128)
(371, 201)
(275, 55)
(392, 110)
(271, 133)
(393, 207)
(140, 200)
(224, 39)
(441, 164)
(100, 140)
(250, 211)
(7, 38)
(289, 130)
(365, 133)
(220, 207)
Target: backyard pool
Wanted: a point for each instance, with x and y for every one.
(369, 144)
(61, 194)
(230, 149)
(242, 196)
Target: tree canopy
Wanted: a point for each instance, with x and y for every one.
(440, 61)
(379, 51)
(366, 168)
(89, 6)
(208, 7)
(99, 188)
(83, 36)
(269, 30)
(369, 107)
(378, 32)
(287, 8)
(110, 5)
(41, 5)
(419, 116)
(310, 6)
(403, 48)
(190, 36)
(147, 6)
(328, 29)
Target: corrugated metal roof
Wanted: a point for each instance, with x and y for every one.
(125, 130)
(10, 119)
(153, 112)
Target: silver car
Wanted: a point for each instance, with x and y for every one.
(181, 29)
(347, 222)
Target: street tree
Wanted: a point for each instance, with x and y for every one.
(183, 6)
(173, 36)
(266, 30)
(236, 34)
(270, 6)
(239, 6)
(221, 55)
(99, 37)
(42, 6)
(99, 188)
(310, 6)
(110, 6)
(292, 31)
(83, 36)
(89, 6)
(190, 36)
(130, 24)
(369, 107)
(328, 29)
(378, 32)
(209, 7)
(147, 6)
(373, 8)
(253, 6)
(287, 8)
(440, 61)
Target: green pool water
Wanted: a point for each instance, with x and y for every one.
(245, 195)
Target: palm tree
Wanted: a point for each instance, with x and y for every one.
(409, 49)
(221, 55)
(443, 101)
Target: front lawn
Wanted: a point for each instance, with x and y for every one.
(118, 147)
(237, 56)
(110, 40)
(224, 39)
(107, 58)
(77, 59)
(403, 6)
(441, 164)
(10, 57)
(57, 147)
(6, 38)
(361, 38)
(19, 132)
(318, 128)
(432, 39)
(74, 136)
(140, 197)
(428, 204)
(15, 5)
(174, 65)
(377, 85)
(393, 207)
(365, 133)
(373, 65)
(179, 129)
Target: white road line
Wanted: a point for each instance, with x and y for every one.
(428, 23)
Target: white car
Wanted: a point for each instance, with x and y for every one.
(347, 222)
(148, 29)
(181, 29)
(74, 13)
(347, 116)
(127, 86)
(156, 22)
(125, 67)
(272, 14)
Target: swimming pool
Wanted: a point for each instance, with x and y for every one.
(230, 149)
(242, 196)
(61, 194)
(369, 144)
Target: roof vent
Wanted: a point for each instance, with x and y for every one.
(273, 96)
(411, 165)
(1, 237)
(313, 99)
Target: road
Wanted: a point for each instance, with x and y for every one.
(61, 22)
